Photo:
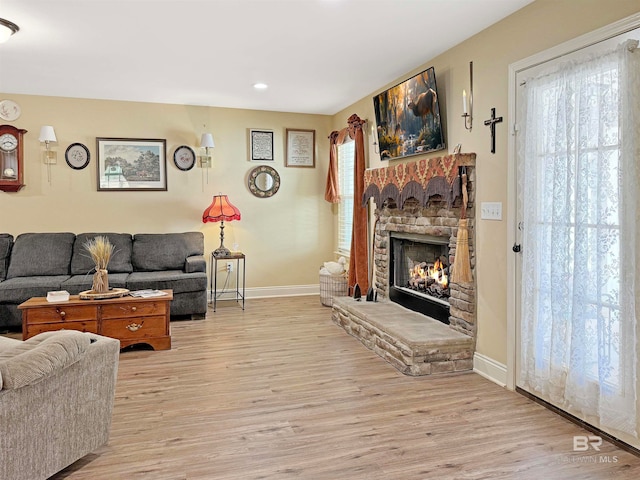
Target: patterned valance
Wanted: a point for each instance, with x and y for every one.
(421, 180)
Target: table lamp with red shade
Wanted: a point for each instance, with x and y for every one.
(221, 210)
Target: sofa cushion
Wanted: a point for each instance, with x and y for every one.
(6, 242)
(165, 251)
(175, 280)
(21, 289)
(120, 262)
(37, 357)
(79, 283)
(195, 263)
(41, 254)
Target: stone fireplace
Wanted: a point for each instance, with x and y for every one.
(431, 219)
(424, 321)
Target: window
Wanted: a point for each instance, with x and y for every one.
(346, 167)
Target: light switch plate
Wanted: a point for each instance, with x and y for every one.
(491, 210)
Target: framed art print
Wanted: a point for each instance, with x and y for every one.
(301, 148)
(134, 164)
(261, 145)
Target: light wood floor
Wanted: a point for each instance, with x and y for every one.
(279, 392)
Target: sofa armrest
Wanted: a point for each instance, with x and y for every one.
(195, 263)
(34, 361)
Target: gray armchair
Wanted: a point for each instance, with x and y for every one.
(56, 400)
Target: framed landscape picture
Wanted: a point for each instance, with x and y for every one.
(408, 117)
(133, 164)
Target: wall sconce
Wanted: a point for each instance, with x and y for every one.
(206, 142)
(374, 135)
(468, 115)
(7, 29)
(48, 136)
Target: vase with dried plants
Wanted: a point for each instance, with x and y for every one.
(100, 250)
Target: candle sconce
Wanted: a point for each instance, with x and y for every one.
(374, 135)
(468, 115)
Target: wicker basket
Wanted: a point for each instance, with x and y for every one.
(332, 286)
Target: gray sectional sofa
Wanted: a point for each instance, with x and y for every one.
(36, 263)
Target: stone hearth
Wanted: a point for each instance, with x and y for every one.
(411, 342)
(420, 197)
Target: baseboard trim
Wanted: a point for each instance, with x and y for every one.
(490, 369)
(284, 291)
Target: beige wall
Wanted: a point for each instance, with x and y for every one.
(286, 237)
(537, 27)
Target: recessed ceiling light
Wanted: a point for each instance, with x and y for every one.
(260, 86)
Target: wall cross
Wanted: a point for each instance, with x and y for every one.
(491, 123)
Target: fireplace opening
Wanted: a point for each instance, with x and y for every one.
(419, 274)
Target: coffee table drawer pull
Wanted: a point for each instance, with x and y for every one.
(140, 309)
(62, 313)
(134, 327)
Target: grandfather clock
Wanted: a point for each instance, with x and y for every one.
(11, 150)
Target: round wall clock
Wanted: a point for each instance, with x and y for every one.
(184, 157)
(77, 156)
(9, 110)
(8, 142)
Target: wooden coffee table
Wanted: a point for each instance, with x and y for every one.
(130, 320)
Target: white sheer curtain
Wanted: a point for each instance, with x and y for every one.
(579, 183)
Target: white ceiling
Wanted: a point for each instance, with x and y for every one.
(317, 56)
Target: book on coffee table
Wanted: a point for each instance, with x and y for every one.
(149, 293)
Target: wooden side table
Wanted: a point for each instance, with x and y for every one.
(213, 281)
(131, 320)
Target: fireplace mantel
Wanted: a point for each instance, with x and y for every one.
(421, 179)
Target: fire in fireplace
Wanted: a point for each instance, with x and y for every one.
(419, 274)
(430, 278)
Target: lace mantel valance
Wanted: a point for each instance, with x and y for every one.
(421, 180)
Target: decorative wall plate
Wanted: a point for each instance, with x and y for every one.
(184, 157)
(9, 110)
(77, 156)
